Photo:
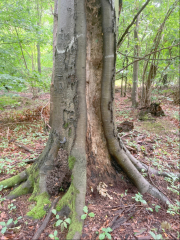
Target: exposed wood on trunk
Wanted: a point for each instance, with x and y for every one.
(99, 165)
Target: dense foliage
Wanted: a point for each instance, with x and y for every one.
(149, 23)
(24, 25)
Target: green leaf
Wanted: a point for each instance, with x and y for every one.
(57, 216)
(153, 235)
(51, 236)
(2, 223)
(55, 233)
(68, 220)
(109, 229)
(85, 209)
(83, 216)
(15, 221)
(54, 211)
(3, 230)
(65, 224)
(9, 221)
(102, 236)
(108, 235)
(150, 209)
(58, 222)
(91, 214)
(157, 208)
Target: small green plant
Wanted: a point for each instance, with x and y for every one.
(149, 209)
(54, 236)
(85, 209)
(5, 225)
(157, 207)
(156, 236)
(124, 194)
(143, 148)
(139, 198)
(5, 166)
(106, 233)
(174, 209)
(62, 223)
(11, 206)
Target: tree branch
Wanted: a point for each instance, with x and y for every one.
(130, 25)
(142, 58)
(146, 56)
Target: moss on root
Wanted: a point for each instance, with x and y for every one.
(10, 182)
(34, 177)
(71, 162)
(38, 211)
(15, 180)
(69, 200)
(23, 189)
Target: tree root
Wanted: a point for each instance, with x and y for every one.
(115, 145)
(15, 180)
(22, 189)
(46, 220)
(143, 167)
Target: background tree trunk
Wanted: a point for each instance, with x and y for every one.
(39, 14)
(135, 67)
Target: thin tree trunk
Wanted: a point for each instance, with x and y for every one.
(39, 57)
(21, 48)
(135, 67)
(38, 43)
(122, 85)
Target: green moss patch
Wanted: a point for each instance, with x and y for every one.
(71, 162)
(10, 182)
(39, 210)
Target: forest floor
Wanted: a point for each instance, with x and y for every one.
(130, 215)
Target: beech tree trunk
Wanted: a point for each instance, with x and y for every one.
(83, 126)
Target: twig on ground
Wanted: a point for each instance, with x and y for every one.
(23, 147)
